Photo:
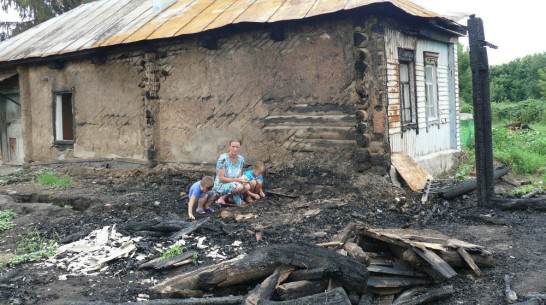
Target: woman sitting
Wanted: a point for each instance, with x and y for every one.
(229, 183)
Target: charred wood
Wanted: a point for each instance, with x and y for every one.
(265, 289)
(535, 301)
(469, 185)
(356, 252)
(295, 290)
(334, 297)
(430, 295)
(469, 261)
(190, 228)
(347, 271)
(230, 300)
(519, 204)
(307, 274)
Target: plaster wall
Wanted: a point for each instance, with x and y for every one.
(108, 111)
(286, 99)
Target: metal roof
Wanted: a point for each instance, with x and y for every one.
(114, 22)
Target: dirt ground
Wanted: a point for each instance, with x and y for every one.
(104, 197)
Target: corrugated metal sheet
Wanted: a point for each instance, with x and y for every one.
(113, 22)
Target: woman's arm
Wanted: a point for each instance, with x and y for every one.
(222, 177)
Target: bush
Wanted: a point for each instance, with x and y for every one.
(523, 149)
(528, 111)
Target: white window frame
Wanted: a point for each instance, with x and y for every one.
(431, 87)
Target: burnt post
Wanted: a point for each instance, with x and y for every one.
(482, 110)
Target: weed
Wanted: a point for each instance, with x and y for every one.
(32, 248)
(68, 206)
(171, 252)
(50, 178)
(522, 190)
(6, 217)
(194, 258)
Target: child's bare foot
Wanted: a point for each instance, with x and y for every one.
(256, 196)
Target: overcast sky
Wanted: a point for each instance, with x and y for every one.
(514, 26)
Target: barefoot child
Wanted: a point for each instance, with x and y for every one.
(256, 181)
(202, 192)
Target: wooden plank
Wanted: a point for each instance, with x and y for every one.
(436, 262)
(470, 261)
(395, 271)
(412, 172)
(395, 281)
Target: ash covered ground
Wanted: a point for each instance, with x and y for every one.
(315, 205)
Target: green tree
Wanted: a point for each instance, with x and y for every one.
(33, 12)
(542, 83)
(465, 74)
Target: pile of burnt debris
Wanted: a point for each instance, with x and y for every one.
(356, 266)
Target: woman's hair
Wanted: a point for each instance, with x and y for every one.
(234, 140)
(259, 166)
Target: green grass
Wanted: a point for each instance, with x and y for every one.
(522, 149)
(522, 190)
(51, 179)
(6, 217)
(171, 252)
(32, 247)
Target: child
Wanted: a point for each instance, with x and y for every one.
(256, 181)
(203, 193)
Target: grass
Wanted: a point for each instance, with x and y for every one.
(51, 179)
(6, 217)
(522, 149)
(171, 252)
(32, 247)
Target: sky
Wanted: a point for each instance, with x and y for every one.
(513, 26)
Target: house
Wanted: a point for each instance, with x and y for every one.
(172, 81)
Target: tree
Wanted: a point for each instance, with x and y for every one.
(542, 83)
(465, 74)
(33, 12)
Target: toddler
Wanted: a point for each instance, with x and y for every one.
(203, 193)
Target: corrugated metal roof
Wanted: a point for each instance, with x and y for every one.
(113, 22)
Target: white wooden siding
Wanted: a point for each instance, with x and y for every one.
(431, 138)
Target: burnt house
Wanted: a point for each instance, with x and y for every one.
(164, 81)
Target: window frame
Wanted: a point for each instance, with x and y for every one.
(407, 57)
(63, 142)
(430, 59)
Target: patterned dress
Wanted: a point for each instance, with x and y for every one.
(231, 171)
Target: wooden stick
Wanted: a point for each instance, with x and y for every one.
(431, 295)
(335, 297)
(469, 261)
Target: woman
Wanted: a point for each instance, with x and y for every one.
(229, 182)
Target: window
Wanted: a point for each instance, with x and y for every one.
(431, 86)
(63, 118)
(406, 70)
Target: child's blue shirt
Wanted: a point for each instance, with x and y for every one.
(250, 175)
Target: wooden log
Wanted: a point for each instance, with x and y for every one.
(239, 270)
(408, 294)
(356, 252)
(348, 272)
(395, 281)
(174, 261)
(541, 296)
(395, 271)
(262, 263)
(307, 274)
(430, 295)
(469, 261)
(469, 185)
(265, 289)
(538, 204)
(190, 228)
(140, 225)
(532, 193)
(334, 297)
(230, 300)
(295, 290)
